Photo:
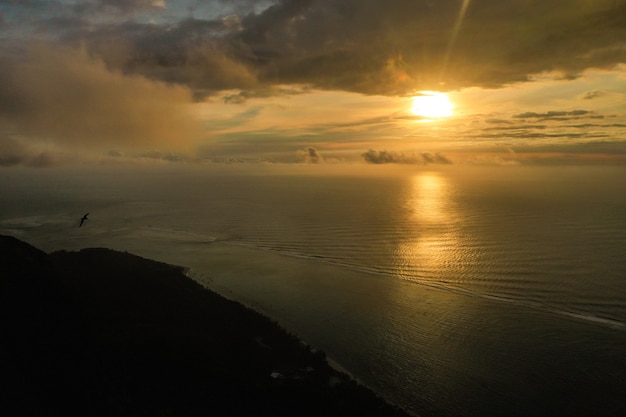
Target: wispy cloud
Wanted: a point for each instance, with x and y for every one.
(590, 95)
(553, 114)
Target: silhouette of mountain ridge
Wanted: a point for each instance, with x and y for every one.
(105, 333)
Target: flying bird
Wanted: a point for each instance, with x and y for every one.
(83, 219)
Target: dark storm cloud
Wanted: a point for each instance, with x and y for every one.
(373, 156)
(368, 46)
(190, 52)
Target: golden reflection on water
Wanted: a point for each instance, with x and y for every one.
(429, 197)
(432, 240)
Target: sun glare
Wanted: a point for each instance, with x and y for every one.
(432, 104)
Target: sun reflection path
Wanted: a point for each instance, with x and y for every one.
(429, 197)
(431, 250)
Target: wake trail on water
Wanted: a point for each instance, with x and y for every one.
(501, 298)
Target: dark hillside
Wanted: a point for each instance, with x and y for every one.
(104, 333)
(41, 336)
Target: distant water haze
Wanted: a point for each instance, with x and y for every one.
(451, 291)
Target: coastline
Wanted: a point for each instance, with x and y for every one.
(126, 327)
(205, 282)
(229, 295)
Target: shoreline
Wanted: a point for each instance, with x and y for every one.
(334, 364)
(229, 295)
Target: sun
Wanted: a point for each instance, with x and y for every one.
(431, 104)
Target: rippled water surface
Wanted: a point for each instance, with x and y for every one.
(461, 291)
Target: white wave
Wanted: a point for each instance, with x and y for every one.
(176, 234)
(23, 222)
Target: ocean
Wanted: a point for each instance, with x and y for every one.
(474, 291)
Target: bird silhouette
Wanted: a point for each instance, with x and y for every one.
(83, 219)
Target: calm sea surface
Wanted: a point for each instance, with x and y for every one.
(462, 291)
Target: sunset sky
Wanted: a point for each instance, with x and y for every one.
(313, 81)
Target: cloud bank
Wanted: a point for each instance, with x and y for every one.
(63, 97)
(394, 47)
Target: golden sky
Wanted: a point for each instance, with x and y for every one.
(530, 81)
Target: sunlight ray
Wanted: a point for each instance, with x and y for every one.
(453, 37)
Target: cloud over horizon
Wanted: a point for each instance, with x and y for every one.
(13, 152)
(373, 156)
(310, 155)
(63, 97)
